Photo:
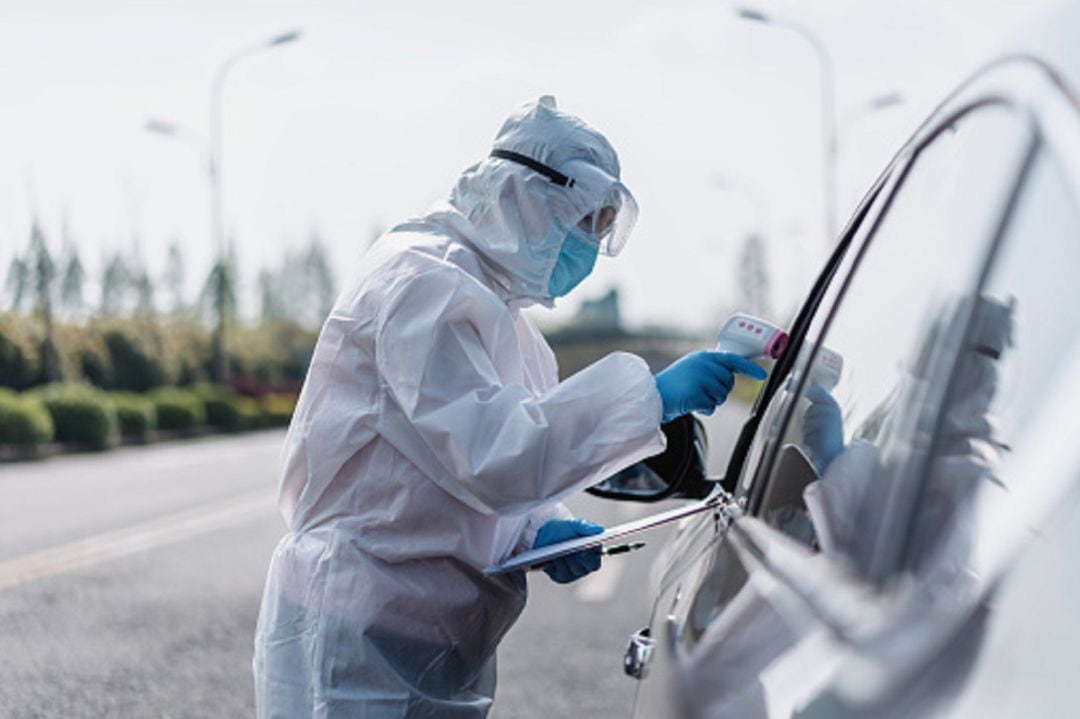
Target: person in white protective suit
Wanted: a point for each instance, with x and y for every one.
(433, 438)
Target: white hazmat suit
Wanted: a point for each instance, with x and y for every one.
(433, 438)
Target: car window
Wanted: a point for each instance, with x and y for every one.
(860, 424)
(1021, 341)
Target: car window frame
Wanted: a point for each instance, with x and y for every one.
(1028, 100)
(796, 336)
(796, 579)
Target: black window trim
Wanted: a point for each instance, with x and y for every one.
(892, 530)
(893, 536)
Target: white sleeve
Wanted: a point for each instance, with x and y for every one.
(454, 402)
(538, 518)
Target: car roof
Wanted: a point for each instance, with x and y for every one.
(1050, 36)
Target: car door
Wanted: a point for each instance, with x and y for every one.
(808, 551)
(695, 552)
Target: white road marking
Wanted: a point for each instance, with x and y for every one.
(141, 537)
(600, 585)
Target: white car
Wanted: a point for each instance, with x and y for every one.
(909, 551)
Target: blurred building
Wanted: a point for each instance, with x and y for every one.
(596, 330)
(601, 313)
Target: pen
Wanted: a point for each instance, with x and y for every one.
(606, 551)
(622, 548)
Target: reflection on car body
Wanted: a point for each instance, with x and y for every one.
(902, 574)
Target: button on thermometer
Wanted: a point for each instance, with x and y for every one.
(751, 337)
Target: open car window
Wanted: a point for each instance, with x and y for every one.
(861, 402)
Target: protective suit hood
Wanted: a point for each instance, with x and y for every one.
(517, 218)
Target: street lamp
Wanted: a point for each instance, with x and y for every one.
(828, 107)
(217, 196)
(219, 276)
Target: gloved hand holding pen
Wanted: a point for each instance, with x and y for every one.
(701, 381)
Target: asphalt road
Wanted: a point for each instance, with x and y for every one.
(130, 584)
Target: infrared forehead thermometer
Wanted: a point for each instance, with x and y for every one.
(751, 337)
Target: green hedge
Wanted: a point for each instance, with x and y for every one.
(137, 415)
(178, 410)
(277, 409)
(251, 413)
(136, 359)
(142, 353)
(230, 412)
(24, 421)
(221, 408)
(20, 352)
(81, 414)
(84, 355)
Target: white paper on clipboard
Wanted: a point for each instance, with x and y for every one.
(554, 551)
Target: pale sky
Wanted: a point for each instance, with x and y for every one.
(371, 115)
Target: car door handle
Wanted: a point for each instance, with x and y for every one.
(639, 653)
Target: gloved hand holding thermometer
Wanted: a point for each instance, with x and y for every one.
(701, 381)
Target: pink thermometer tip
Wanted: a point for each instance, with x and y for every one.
(777, 344)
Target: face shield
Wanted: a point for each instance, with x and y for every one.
(612, 223)
(605, 210)
(609, 211)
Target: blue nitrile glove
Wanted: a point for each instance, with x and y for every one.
(700, 381)
(572, 566)
(823, 427)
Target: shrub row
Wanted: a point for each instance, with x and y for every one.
(84, 416)
(138, 354)
(24, 422)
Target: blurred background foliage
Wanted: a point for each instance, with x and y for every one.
(124, 355)
(91, 361)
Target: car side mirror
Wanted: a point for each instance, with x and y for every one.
(678, 471)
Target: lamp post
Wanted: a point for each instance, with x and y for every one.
(828, 107)
(217, 201)
(219, 274)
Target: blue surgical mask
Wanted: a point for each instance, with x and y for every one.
(576, 260)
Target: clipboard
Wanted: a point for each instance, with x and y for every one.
(539, 556)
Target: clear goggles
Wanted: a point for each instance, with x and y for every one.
(611, 223)
(609, 211)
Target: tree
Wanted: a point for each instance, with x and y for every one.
(43, 280)
(72, 280)
(17, 282)
(72, 276)
(303, 289)
(175, 277)
(219, 297)
(43, 270)
(318, 283)
(753, 278)
(271, 308)
(116, 282)
(143, 287)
